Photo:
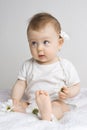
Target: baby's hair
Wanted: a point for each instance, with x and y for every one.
(39, 20)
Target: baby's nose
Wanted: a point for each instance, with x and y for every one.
(40, 46)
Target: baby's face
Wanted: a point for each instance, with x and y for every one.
(44, 44)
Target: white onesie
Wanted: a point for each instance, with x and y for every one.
(50, 77)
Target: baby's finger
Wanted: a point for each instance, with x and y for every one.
(64, 90)
(62, 96)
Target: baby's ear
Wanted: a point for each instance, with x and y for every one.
(60, 42)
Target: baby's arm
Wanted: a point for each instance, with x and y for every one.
(69, 92)
(18, 91)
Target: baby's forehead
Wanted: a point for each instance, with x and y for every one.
(46, 32)
(39, 25)
(46, 27)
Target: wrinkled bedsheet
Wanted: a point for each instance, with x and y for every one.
(73, 120)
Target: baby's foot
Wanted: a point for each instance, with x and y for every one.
(21, 107)
(44, 105)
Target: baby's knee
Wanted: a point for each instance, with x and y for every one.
(56, 103)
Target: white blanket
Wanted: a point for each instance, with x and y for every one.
(73, 120)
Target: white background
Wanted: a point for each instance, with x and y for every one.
(14, 15)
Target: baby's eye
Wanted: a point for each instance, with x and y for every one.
(46, 42)
(34, 43)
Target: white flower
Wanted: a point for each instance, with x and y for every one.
(64, 35)
(6, 106)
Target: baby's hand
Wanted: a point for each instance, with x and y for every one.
(15, 101)
(64, 93)
(16, 104)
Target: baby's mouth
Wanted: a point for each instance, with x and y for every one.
(41, 56)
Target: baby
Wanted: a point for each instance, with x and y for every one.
(49, 81)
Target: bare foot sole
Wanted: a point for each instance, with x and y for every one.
(44, 105)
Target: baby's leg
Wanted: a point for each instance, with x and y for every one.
(44, 105)
(59, 108)
(46, 108)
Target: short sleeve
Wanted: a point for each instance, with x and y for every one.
(71, 73)
(73, 76)
(24, 70)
